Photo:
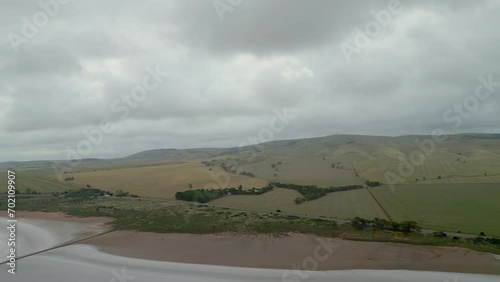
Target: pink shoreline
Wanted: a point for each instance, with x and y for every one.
(292, 251)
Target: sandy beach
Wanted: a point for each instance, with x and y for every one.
(292, 251)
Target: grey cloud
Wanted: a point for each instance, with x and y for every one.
(226, 77)
(270, 27)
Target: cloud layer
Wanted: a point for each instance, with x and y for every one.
(226, 74)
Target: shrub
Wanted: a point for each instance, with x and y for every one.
(299, 200)
(439, 234)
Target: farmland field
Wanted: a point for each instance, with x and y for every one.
(37, 182)
(270, 201)
(470, 208)
(475, 167)
(345, 204)
(306, 170)
(162, 181)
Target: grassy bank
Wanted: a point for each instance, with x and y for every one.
(165, 216)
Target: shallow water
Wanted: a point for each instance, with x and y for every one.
(78, 263)
(33, 235)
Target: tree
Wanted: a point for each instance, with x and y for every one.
(121, 193)
(381, 223)
(439, 234)
(494, 241)
(299, 200)
(88, 186)
(372, 183)
(359, 223)
(439, 177)
(409, 226)
(190, 186)
(477, 240)
(394, 226)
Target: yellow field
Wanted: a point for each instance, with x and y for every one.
(161, 181)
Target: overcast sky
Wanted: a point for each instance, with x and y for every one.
(231, 65)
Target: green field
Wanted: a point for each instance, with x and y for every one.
(347, 204)
(269, 202)
(470, 208)
(37, 182)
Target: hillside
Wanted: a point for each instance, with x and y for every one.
(331, 160)
(335, 160)
(459, 174)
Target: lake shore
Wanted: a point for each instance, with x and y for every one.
(104, 222)
(293, 251)
(284, 251)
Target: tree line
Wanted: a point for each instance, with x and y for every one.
(207, 195)
(92, 193)
(313, 192)
(383, 224)
(372, 183)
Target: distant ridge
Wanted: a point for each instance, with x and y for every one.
(197, 153)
